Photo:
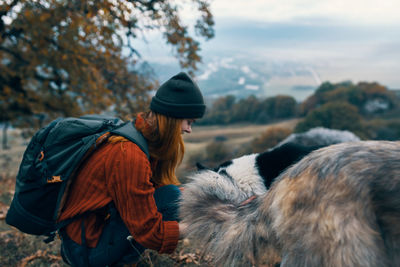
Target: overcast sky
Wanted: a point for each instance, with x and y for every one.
(383, 12)
(357, 40)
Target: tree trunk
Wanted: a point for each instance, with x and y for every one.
(5, 140)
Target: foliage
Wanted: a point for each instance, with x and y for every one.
(368, 109)
(379, 129)
(280, 107)
(369, 98)
(227, 109)
(66, 57)
(270, 138)
(220, 112)
(333, 115)
(246, 110)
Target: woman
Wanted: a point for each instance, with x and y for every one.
(129, 202)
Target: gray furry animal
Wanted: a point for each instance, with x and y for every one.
(338, 206)
(255, 173)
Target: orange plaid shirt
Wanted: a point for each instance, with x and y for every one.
(119, 172)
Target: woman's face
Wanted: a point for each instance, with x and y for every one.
(186, 125)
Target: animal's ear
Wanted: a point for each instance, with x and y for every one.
(201, 167)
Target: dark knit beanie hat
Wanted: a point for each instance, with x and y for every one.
(179, 97)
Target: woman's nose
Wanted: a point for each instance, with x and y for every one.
(188, 129)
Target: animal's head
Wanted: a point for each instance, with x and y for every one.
(244, 172)
(234, 180)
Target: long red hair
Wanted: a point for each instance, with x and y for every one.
(165, 142)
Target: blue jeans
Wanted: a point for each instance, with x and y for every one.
(113, 247)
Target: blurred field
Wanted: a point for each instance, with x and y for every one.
(237, 134)
(18, 249)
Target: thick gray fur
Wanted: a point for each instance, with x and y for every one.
(339, 206)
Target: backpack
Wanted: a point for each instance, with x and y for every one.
(48, 166)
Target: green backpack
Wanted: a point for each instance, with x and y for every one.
(48, 165)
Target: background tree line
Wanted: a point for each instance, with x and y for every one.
(228, 109)
(368, 109)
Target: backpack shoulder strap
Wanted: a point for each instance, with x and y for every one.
(129, 131)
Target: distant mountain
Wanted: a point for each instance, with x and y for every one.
(242, 77)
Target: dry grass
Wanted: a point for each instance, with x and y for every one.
(244, 132)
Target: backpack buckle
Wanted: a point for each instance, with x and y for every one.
(54, 179)
(41, 155)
